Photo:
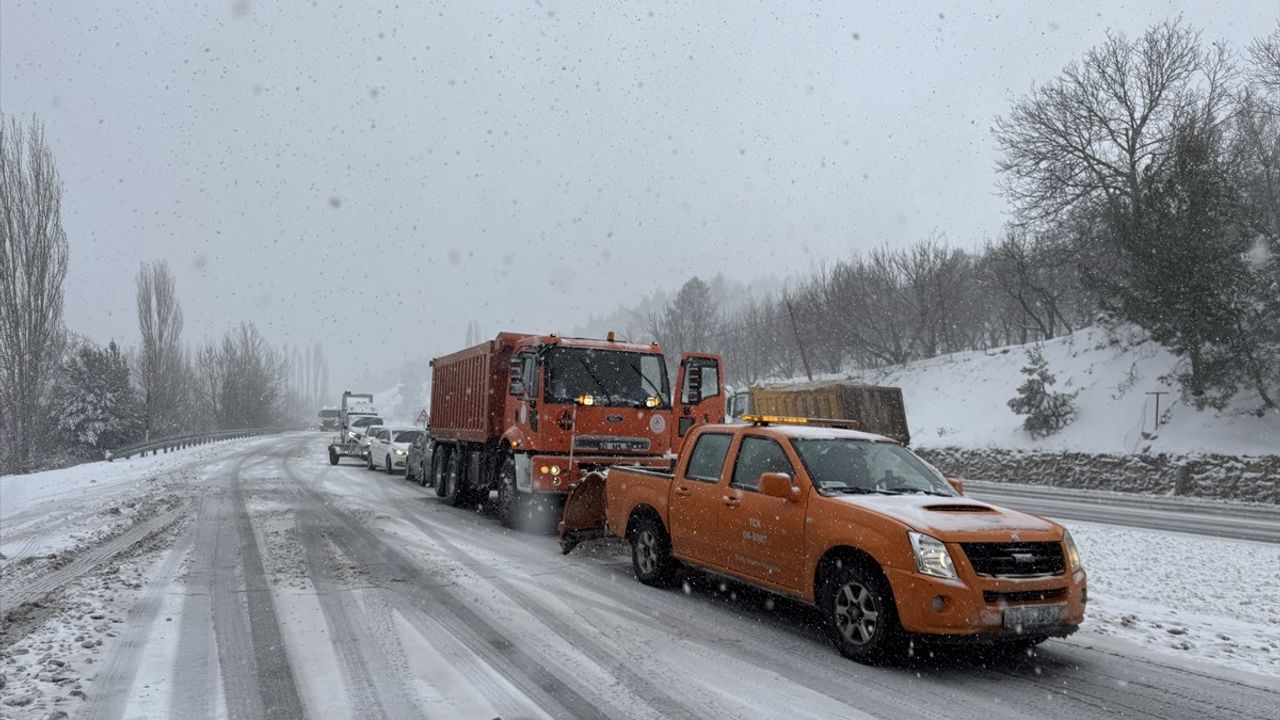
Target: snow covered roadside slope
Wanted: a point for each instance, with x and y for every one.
(20, 493)
(960, 400)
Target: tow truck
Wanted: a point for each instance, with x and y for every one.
(850, 522)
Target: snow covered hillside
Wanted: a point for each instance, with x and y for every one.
(960, 400)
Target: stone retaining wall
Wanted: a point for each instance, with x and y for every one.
(1226, 477)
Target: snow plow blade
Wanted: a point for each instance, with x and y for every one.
(583, 517)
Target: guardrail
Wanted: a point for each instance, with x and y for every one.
(154, 447)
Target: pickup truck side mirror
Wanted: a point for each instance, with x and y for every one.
(777, 484)
(956, 484)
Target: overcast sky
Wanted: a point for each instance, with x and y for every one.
(378, 175)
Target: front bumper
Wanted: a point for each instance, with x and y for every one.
(561, 476)
(972, 607)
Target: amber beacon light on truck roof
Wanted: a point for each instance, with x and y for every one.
(788, 420)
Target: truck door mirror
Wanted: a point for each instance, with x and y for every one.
(693, 384)
(516, 376)
(778, 484)
(956, 484)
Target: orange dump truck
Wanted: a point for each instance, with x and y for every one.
(850, 522)
(530, 415)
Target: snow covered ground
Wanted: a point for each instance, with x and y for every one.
(1188, 596)
(960, 400)
(261, 579)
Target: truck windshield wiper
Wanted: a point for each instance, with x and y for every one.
(645, 380)
(917, 490)
(847, 490)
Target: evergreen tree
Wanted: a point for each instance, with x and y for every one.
(95, 407)
(1047, 411)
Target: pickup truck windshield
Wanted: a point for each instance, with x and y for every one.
(845, 465)
(366, 421)
(611, 377)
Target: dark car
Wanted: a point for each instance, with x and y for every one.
(418, 463)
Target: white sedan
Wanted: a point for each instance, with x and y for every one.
(389, 447)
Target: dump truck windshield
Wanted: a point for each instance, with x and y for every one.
(860, 466)
(610, 377)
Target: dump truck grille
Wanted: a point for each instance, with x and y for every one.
(1024, 559)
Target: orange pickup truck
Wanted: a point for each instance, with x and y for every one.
(853, 523)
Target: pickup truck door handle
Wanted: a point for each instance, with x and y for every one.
(732, 502)
(682, 491)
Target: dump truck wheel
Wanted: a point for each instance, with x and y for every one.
(862, 619)
(438, 457)
(512, 504)
(651, 554)
(455, 494)
(333, 456)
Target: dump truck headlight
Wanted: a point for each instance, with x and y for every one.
(932, 556)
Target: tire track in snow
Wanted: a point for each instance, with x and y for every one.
(398, 573)
(276, 685)
(195, 669)
(115, 681)
(605, 656)
(375, 689)
(84, 563)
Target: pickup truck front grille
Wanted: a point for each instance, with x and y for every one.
(1020, 559)
(1019, 597)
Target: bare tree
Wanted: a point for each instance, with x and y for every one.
(1089, 136)
(160, 363)
(33, 265)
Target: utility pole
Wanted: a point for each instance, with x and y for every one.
(1158, 393)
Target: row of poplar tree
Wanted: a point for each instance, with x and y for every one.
(65, 399)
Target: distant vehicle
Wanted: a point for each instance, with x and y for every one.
(389, 447)
(875, 409)
(355, 414)
(852, 523)
(330, 419)
(364, 438)
(417, 463)
(530, 415)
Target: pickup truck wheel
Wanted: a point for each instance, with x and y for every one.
(333, 456)
(651, 554)
(512, 504)
(861, 615)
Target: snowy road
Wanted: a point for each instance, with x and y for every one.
(1240, 521)
(291, 588)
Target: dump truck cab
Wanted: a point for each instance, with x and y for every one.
(530, 415)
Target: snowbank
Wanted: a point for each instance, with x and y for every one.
(20, 493)
(960, 401)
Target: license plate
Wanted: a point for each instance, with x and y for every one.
(1021, 619)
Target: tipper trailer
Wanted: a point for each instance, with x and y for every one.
(529, 415)
(870, 408)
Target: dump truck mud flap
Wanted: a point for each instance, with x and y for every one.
(524, 472)
(584, 517)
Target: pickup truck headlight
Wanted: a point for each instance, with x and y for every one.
(1073, 552)
(351, 434)
(932, 556)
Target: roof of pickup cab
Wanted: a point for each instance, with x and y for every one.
(809, 432)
